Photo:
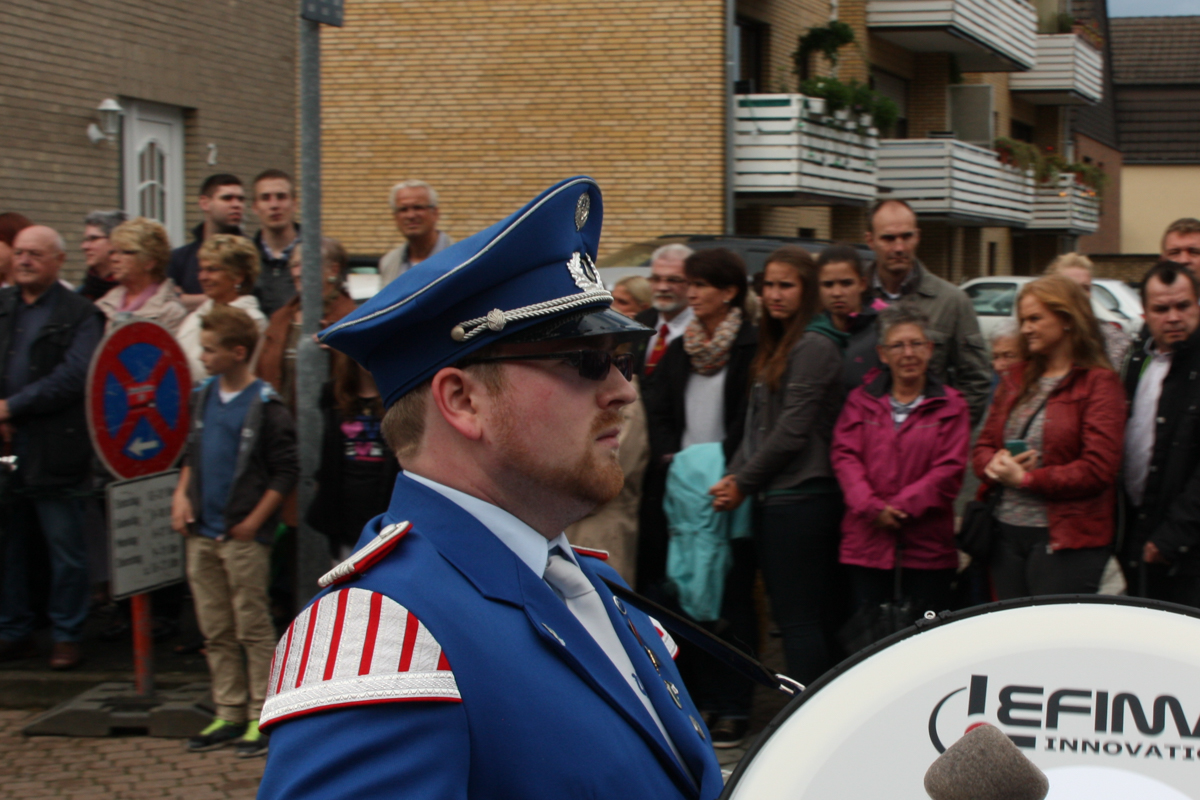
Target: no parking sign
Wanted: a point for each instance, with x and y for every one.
(137, 399)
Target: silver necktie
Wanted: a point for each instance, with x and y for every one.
(568, 582)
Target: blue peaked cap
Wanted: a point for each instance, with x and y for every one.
(530, 269)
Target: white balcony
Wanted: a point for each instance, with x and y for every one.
(785, 152)
(1065, 207)
(985, 35)
(955, 181)
(1069, 71)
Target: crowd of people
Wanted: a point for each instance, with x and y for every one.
(812, 424)
(840, 401)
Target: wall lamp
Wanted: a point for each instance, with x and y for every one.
(110, 112)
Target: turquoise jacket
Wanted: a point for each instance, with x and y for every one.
(698, 555)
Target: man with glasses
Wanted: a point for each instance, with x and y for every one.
(96, 248)
(415, 209)
(467, 649)
(670, 313)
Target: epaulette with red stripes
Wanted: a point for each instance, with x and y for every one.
(355, 647)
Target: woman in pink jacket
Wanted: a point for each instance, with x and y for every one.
(900, 452)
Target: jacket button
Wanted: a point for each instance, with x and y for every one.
(1161, 420)
(1141, 516)
(1153, 468)
(699, 730)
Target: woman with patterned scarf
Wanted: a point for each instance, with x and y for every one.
(698, 395)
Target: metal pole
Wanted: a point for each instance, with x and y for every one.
(730, 77)
(143, 645)
(312, 553)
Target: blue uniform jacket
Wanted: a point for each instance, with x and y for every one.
(506, 694)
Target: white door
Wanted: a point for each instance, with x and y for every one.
(153, 142)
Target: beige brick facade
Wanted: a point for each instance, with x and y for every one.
(788, 21)
(230, 66)
(492, 101)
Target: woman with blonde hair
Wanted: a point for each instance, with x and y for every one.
(1052, 446)
(141, 251)
(229, 266)
(632, 295)
(1080, 269)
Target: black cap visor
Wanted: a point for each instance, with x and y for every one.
(590, 322)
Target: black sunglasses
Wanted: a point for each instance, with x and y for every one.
(592, 364)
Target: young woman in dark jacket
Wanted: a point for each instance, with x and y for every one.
(1055, 519)
(843, 287)
(784, 462)
(357, 470)
(696, 396)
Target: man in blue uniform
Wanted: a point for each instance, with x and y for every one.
(467, 650)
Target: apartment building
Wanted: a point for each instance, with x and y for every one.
(988, 142)
(187, 89)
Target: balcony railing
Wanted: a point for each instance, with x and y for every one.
(783, 146)
(953, 180)
(1065, 206)
(984, 35)
(1068, 71)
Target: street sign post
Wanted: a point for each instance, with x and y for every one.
(138, 388)
(137, 400)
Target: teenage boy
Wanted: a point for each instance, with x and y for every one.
(241, 462)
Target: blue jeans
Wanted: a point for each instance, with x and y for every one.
(60, 518)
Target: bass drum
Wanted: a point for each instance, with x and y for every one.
(1102, 693)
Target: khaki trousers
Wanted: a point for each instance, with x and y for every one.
(229, 588)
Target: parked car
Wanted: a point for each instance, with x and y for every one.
(635, 259)
(995, 299)
(1121, 299)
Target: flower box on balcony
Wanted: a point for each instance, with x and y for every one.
(1066, 206)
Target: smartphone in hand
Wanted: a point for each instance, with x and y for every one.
(1016, 446)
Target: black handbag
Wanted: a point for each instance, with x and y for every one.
(978, 529)
(875, 621)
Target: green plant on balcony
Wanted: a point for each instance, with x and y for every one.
(824, 39)
(1089, 175)
(1015, 153)
(836, 94)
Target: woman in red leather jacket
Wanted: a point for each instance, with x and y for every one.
(1064, 408)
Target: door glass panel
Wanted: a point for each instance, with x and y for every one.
(152, 194)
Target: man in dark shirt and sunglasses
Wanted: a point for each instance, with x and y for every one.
(467, 649)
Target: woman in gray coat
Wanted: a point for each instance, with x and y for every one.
(796, 394)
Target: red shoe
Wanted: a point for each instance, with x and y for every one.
(65, 655)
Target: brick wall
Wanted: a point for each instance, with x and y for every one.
(231, 66)
(789, 19)
(928, 100)
(1107, 238)
(783, 220)
(491, 101)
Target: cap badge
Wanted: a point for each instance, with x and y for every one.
(583, 271)
(582, 207)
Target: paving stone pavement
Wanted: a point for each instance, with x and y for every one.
(116, 768)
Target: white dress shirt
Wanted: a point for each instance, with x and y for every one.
(675, 327)
(1139, 432)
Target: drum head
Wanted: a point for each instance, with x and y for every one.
(1102, 693)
